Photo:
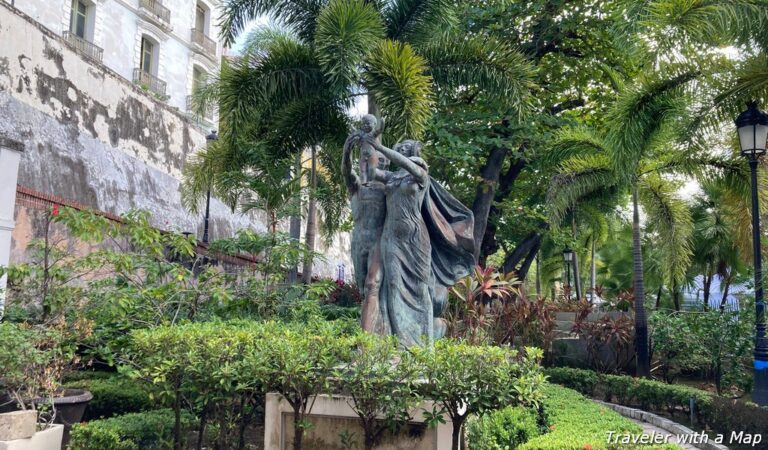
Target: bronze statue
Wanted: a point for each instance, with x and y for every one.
(424, 244)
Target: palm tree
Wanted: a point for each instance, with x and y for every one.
(640, 145)
(291, 89)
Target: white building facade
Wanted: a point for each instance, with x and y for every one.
(168, 47)
(96, 93)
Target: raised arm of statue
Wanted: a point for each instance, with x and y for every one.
(350, 178)
(402, 161)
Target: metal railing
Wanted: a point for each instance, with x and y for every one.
(84, 47)
(149, 81)
(156, 7)
(201, 39)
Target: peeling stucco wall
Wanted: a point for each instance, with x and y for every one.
(95, 138)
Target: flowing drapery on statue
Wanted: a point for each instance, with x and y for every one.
(424, 244)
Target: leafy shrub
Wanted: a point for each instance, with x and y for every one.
(577, 423)
(726, 415)
(113, 396)
(152, 430)
(32, 361)
(638, 392)
(468, 379)
(583, 381)
(345, 295)
(717, 345)
(717, 413)
(505, 429)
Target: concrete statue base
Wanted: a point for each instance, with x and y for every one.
(332, 418)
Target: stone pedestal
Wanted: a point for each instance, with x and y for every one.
(10, 155)
(331, 417)
(48, 439)
(18, 425)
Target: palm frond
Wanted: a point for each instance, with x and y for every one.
(670, 217)
(397, 77)
(714, 22)
(641, 112)
(346, 31)
(577, 178)
(483, 64)
(574, 141)
(299, 15)
(417, 20)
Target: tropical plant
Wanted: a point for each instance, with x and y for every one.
(290, 90)
(474, 303)
(466, 379)
(637, 150)
(34, 360)
(382, 386)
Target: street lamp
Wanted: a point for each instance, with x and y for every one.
(752, 125)
(213, 137)
(568, 258)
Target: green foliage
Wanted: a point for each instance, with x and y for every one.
(576, 423)
(716, 344)
(637, 392)
(505, 429)
(150, 430)
(382, 384)
(33, 359)
(466, 379)
(346, 30)
(223, 369)
(397, 79)
(112, 396)
(720, 414)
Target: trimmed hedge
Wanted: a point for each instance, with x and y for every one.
(720, 414)
(504, 429)
(638, 392)
(577, 423)
(152, 430)
(112, 396)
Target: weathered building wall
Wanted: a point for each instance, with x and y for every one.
(117, 27)
(93, 137)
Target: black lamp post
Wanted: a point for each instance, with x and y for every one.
(568, 258)
(752, 125)
(210, 138)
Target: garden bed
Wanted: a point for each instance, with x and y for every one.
(568, 421)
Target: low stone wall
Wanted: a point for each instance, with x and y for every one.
(670, 426)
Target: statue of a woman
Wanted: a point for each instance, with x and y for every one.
(426, 246)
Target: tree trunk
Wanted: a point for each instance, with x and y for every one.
(456, 434)
(295, 229)
(488, 244)
(485, 193)
(576, 268)
(726, 288)
(523, 249)
(177, 419)
(522, 273)
(538, 274)
(676, 296)
(658, 298)
(641, 320)
(707, 284)
(311, 232)
(201, 430)
(593, 272)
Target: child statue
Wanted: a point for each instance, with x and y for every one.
(370, 158)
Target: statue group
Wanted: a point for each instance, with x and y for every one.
(411, 241)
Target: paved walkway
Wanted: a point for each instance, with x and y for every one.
(650, 429)
(652, 426)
